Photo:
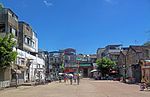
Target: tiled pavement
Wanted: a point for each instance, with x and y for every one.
(87, 88)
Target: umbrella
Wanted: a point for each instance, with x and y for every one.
(61, 73)
(70, 75)
(94, 70)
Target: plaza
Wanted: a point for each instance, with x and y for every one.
(87, 88)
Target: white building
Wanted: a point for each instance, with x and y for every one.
(30, 67)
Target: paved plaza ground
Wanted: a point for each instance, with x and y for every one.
(87, 88)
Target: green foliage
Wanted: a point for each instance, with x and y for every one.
(7, 55)
(147, 43)
(1, 6)
(105, 64)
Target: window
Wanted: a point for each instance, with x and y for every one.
(28, 41)
(32, 44)
(22, 62)
(27, 28)
(2, 27)
(25, 39)
(10, 14)
(13, 31)
(15, 18)
(51, 59)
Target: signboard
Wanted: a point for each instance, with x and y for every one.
(78, 59)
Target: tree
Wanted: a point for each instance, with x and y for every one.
(105, 65)
(147, 43)
(7, 55)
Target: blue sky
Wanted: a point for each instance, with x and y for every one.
(85, 24)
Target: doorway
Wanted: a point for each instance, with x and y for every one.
(85, 72)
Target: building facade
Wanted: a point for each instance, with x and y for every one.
(69, 60)
(27, 38)
(28, 66)
(100, 52)
(8, 24)
(86, 64)
(122, 63)
(56, 61)
(134, 55)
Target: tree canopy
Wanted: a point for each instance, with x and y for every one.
(104, 65)
(147, 43)
(7, 55)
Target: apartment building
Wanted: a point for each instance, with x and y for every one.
(112, 52)
(100, 52)
(28, 40)
(28, 66)
(56, 61)
(8, 22)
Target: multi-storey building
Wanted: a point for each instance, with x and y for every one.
(8, 22)
(134, 55)
(122, 59)
(69, 60)
(28, 66)
(55, 61)
(85, 63)
(27, 38)
(112, 52)
(100, 52)
(28, 42)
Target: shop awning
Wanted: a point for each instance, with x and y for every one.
(85, 65)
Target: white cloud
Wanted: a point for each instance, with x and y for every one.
(47, 3)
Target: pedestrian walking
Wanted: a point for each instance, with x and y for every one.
(78, 79)
(71, 78)
(16, 76)
(75, 78)
(65, 78)
(59, 78)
